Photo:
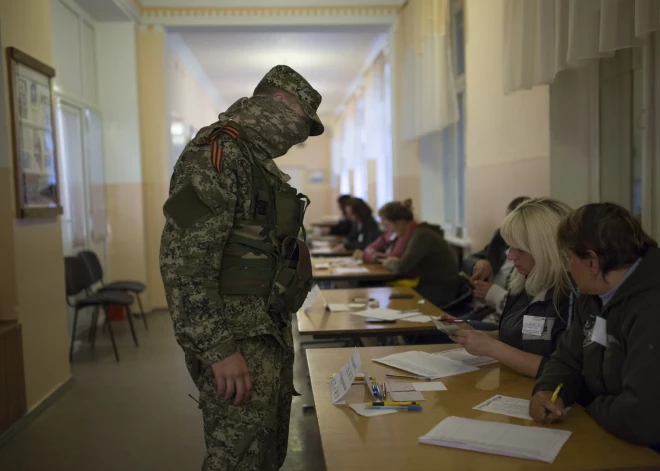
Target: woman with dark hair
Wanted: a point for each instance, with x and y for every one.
(389, 244)
(609, 359)
(427, 255)
(365, 228)
(344, 226)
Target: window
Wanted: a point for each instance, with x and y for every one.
(443, 153)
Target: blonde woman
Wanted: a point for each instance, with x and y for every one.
(535, 310)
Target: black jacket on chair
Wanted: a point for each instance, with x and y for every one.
(494, 252)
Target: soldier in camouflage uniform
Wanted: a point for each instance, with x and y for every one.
(235, 270)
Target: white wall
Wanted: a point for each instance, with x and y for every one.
(118, 99)
(507, 136)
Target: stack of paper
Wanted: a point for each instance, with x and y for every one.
(532, 443)
(386, 314)
(426, 365)
(462, 356)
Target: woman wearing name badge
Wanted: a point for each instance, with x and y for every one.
(536, 307)
(609, 359)
(365, 228)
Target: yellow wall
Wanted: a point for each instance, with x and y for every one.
(507, 136)
(33, 277)
(314, 155)
(154, 138)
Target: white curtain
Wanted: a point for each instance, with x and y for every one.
(543, 37)
(428, 91)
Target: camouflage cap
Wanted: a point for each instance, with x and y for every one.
(287, 79)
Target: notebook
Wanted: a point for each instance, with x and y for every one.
(532, 443)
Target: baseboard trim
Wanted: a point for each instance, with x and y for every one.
(28, 418)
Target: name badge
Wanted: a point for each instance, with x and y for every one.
(361, 238)
(599, 334)
(533, 325)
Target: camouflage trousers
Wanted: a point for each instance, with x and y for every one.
(253, 435)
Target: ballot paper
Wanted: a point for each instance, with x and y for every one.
(504, 405)
(386, 314)
(448, 329)
(361, 409)
(532, 443)
(341, 382)
(424, 364)
(462, 356)
(429, 386)
(350, 270)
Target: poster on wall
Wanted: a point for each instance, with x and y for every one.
(35, 159)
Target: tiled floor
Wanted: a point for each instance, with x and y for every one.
(136, 415)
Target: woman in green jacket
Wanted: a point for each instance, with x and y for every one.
(609, 359)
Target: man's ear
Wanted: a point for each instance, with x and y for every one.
(593, 262)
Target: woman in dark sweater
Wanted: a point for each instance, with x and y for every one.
(608, 360)
(535, 310)
(365, 228)
(427, 256)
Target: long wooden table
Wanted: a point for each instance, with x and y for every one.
(376, 272)
(319, 322)
(389, 442)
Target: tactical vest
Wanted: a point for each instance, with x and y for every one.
(263, 256)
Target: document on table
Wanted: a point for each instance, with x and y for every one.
(462, 356)
(421, 318)
(425, 364)
(341, 382)
(322, 266)
(532, 443)
(361, 409)
(386, 314)
(321, 251)
(504, 405)
(338, 307)
(393, 387)
(350, 270)
(406, 396)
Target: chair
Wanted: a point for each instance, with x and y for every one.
(96, 272)
(78, 281)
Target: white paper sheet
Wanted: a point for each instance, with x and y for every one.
(350, 270)
(421, 318)
(356, 306)
(532, 443)
(429, 386)
(322, 266)
(315, 291)
(504, 405)
(362, 410)
(338, 307)
(385, 314)
(321, 251)
(425, 364)
(405, 396)
(341, 382)
(399, 387)
(462, 356)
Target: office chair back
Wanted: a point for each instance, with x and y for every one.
(76, 276)
(93, 265)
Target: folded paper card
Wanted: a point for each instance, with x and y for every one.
(342, 381)
(532, 443)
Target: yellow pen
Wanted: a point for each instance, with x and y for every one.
(556, 393)
(392, 403)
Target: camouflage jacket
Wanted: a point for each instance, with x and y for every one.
(206, 323)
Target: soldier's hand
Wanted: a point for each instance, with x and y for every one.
(233, 378)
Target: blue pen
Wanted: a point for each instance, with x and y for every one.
(395, 407)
